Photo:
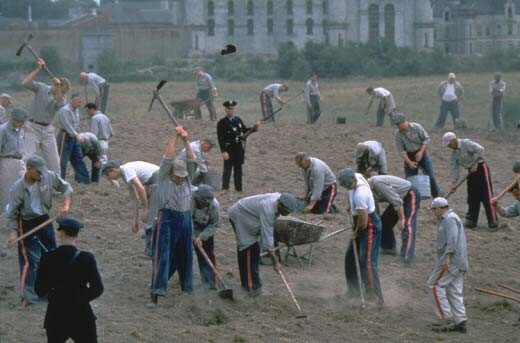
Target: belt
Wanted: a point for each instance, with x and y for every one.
(12, 156)
(37, 122)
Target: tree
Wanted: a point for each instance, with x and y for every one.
(42, 9)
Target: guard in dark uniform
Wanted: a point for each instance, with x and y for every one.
(71, 280)
(230, 133)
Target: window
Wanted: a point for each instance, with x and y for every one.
(250, 27)
(488, 31)
(479, 31)
(446, 48)
(499, 29)
(230, 27)
(325, 6)
(426, 43)
(270, 8)
(470, 48)
(309, 23)
(290, 26)
(446, 33)
(324, 26)
(250, 7)
(390, 24)
(270, 26)
(446, 16)
(211, 27)
(231, 8)
(373, 22)
(470, 29)
(510, 29)
(510, 12)
(211, 8)
(289, 6)
(308, 6)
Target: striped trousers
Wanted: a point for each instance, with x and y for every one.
(480, 190)
(326, 203)
(446, 292)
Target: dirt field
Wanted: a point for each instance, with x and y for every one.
(320, 288)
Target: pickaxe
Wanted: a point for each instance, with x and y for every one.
(26, 44)
(158, 96)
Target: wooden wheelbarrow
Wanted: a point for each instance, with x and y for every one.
(185, 108)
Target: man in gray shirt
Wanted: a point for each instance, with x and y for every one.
(312, 99)
(199, 165)
(69, 140)
(446, 281)
(271, 91)
(30, 202)
(100, 126)
(404, 202)
(252, 219)
(100, 87)
(91, 148)
(5, 101)
(470, 155)
(497, 89)
(369, 156)
(320, 184)
(39, 132)
(206, 91)
(412, 141)
(512, 210)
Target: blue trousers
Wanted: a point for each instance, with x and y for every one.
(172, 250)
(453, 108)
(425, 164)
(368, 242)
(314, 111)
(30, 251)
(207, 276)
(389, 218)
(70, 150)
(326, 203)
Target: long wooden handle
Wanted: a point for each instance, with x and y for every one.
(358, 268)
(498, 197)
(497, 294)
(212, 266)
(39, 227)
(161, 100)
(290, 291)
(454, 189)
(508, 288)
(51, 74)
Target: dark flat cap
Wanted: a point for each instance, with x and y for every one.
(19, 114)
(230, 103)
(37, 163)
(204, 195)
(346, 177)
(68, 223)
(229, 49)
(398, 118)
(288, 202)
(108, 166)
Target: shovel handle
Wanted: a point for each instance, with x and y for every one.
(358, 268)
(212, 266)
(39, 227)
(454, 189)
(501, 195)
(51, 74)
(170, 114)
(497, 294)
(290, 291)
(508, 288)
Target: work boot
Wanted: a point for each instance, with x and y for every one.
(469, 224)
(493, 226)
(153, 301)
(440, 323)
(460, 327)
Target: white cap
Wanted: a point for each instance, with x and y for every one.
(438, 202)
(451, 76)
(5, 96)
(447, 138)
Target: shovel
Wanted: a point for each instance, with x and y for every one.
(300, 314)
(224, 293)
(358, 269)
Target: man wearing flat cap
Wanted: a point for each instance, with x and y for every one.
(252, 219)
(370, 157)
(30, 203)
(11, 153)
(450, 92)
(446, 281)
(200, 164)
(5, 101)
(206, 91)
(172, 240)
(70, 279)
(497, 89)
(366, 235)
(470, 155)
(412, 140)
(230, 134)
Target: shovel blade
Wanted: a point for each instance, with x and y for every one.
(226, 293)
(301, 316)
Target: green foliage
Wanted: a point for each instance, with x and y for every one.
(42, 9)
(511, 112)
(52, 58)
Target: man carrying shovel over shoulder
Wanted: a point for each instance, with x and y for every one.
(469, 155)
(30, 203)
(253, 219)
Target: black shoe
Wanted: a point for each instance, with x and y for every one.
(469, 224)
(460, 327)
(493, 225)
(392, 252)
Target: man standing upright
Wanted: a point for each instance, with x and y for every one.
(100, 86)
(312, 99)
(100, 126)
(386, 103)
(497, 89)
(39, 132)
(450, 92)
(470, 155)
(5, 101)
(271, 91)
(412, 140)
(69, 140)
(206, 91)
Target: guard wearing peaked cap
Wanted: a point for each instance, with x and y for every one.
(230, 133)
(70, 279)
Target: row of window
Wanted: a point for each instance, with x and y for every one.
(289, 25)
(250, 7)
(509, 13)
(373, 22)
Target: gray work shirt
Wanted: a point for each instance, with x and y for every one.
(205, 82)
(171, 195)
(273, 90)
(199, 156)
(205, 220)
(317, 178)
(411, 140)
(466, 153)
(376, 156)
(497, 89)
(21, 199)
(101, 127)
(68, 120)
(512, 210)
(95, 81)
(311, 88)
(3, 115)
(391, 189)
(254, 218)
(11, 141)
(451, 239)
(90, 146)
(43, 106)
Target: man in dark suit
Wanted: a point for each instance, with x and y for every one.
(71, 280)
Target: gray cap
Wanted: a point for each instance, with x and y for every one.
(210, 140)
(438, 202)
(19, 114)
(398, 118)
(516, 167)
(197, 68)
(179, 168)
(37, 163)
(204, 195)
(288, 202)
(109, 165)
(447, 138)
(346, 177)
